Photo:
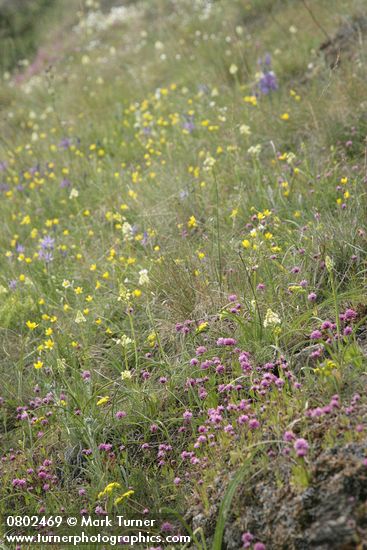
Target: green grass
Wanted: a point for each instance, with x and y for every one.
(139, 191)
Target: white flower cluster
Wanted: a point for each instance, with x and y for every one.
(96, 21)
(271, 318)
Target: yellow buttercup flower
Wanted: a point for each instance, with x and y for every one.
(103, 400)
(192, 222)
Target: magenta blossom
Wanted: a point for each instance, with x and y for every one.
(301, 447)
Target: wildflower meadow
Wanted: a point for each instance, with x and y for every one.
(183, 296)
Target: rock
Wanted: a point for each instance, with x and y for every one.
(330, 514)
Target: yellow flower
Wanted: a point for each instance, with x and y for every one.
(284, 116)
(192, 222)
(38, 365)
(137, 293)
(103, 400)
(31, 325)
(26, 220)
(122, 497)
(49, 344)
(250, 99)
(246, 243)
(203, 326)
(108, 489)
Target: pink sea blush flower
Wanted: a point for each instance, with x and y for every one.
(226, 342)
(317, 353)
(242, 419)
(312, 297)
(247, 539)
(350, 314)
(202, 393)
(120, 414)
(356, 397)
(220, 369)
(21, 483)
(254, 424)
(227, 429)
(105, 447)
(301, 447)
(289, 436)
(187, 416)
(315, 335)
(259, 546)
(100, 511)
